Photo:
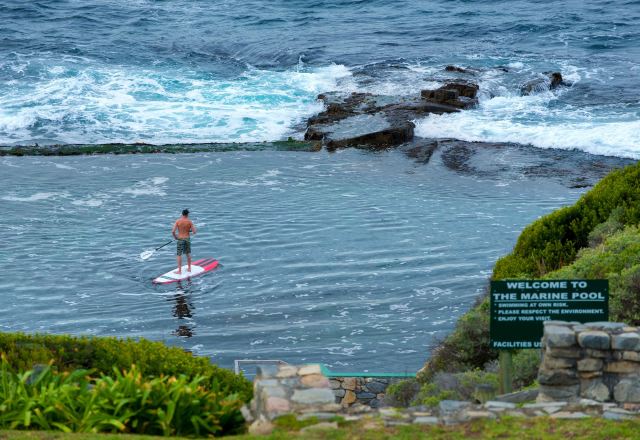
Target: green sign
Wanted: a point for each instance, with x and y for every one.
(519, 307)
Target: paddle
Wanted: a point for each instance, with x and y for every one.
(147, 254)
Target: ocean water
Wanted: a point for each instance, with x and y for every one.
(357, 260)
(99, 71)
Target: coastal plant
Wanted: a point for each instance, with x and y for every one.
(402, 393)
(555, 239)
(124, 402)
(103, 354)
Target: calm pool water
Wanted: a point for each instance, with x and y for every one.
(353, 259)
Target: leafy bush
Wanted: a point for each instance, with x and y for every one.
(401, 393)
(467, 347)
(126, 402)
(101, 354)
(617, 259)
(525, 367)
(554, 240)
(460, 386)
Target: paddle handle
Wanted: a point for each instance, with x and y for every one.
(168, 242)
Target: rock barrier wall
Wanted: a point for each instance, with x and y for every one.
(369, 391)
(598, 361)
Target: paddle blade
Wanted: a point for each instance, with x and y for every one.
(146, 255)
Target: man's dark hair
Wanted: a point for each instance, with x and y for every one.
(185, 212)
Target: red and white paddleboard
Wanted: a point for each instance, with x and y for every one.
(198, 267)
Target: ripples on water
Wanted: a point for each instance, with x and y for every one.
(353, 259)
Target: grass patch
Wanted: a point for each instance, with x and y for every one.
(541, 428)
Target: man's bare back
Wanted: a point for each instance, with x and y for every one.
(184, 228)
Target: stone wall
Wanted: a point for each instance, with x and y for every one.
(598, 361)
(287, 389)
(368, 391)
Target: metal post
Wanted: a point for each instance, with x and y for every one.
(506, 371)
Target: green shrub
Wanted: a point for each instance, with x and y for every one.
(554, 240)
(525, 367)
(102, 354)
(467, 347)
(402, 393)
(617, 258)
(126, 402)
(460, 386)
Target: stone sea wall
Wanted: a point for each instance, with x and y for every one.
(368, 391)
(598, 361)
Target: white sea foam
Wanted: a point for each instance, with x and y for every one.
(34, 197)
(132, 105)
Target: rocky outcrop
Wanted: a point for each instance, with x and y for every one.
(373, 121)
(552, 80)
(462, 95)
(597, 361)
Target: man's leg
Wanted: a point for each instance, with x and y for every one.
(179, 258)
(189, 262)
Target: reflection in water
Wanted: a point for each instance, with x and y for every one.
(182, 309)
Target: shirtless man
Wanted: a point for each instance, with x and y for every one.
(185, 227)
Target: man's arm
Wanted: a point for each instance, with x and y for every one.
(193, 228)
(173, 231)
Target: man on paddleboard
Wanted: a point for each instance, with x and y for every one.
(184, 227)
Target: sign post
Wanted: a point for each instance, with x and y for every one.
(520, 307)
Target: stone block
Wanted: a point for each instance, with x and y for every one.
(571, 353)
(349, 383)
(590, 374)
(472, 415)
(602, 354)
(364, 395)
(626, 341)
(605, 325)
(558, 393)
(590, 364)
(334, 384)
(624, 367)
(376, 387)
(595, 389)
(349, 397)
(339, 393)
(374, 403)
(275, 406)
(426, 420)
(313, 396)
(261, 427)
(310, 369)
(627, 391)
(315, 381)
(552, 363)
(594, 339)
(559, 336)
(569, 415)
(557, 377)
(273, 392)
(452, 406)
(287, 371)
(492, 404)
(619, 414)
(633, 356)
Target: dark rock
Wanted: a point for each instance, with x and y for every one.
(365, 395)
(461, 94)
(451, 68)
(558, 377)
(376, 387)
(518, 396)
(372, 121)
(375, 403)
(551, 81)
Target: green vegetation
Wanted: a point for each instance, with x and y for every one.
(597, 237)
(102, 355)
(50, 382)
(541, 428)
(122, 402)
